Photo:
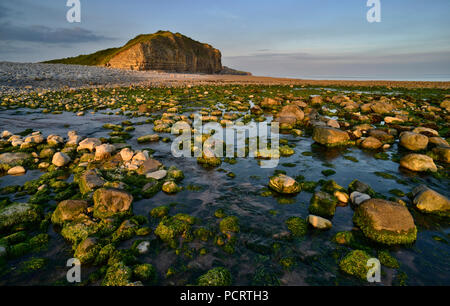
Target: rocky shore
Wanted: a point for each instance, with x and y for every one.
(89, 173)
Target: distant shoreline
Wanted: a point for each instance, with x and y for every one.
(18, 77)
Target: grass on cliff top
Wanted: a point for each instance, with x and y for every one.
(102, 57)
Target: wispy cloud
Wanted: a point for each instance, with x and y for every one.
(44, 34)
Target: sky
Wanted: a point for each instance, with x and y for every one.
(286, 38)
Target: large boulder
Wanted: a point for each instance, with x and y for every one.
(111, 202)
(418, 163)
(68, 210)
(430, 201)
(385, 222)
(284, 184)
(330, 136)
(413, 141)
(18, 214)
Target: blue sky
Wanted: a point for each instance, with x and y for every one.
(292, 38)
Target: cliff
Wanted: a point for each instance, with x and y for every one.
(162, 50)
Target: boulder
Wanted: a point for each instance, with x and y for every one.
(89, 181)
(357, 197)
(413, 141)
(13, 158)
(371, 143)
(442, 154)
(111, 202)
(382, 136)
(323, 204)
(385, 222)
(126, 154)
(157, 175)
(430, 201)
(60, 159)
(89, 144)
(149, 165)
(104, 151)
(68, 210)
(269, 103)
(289, 116)
(318, 222)
(18, 213)
(284, 184)
(54, 140)
(17, 170)
(418, 163)
(330, 136)
(87, 250)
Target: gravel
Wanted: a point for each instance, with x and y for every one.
(26, 77)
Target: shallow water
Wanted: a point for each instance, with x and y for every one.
(427, 262)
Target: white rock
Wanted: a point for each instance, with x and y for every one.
(104, 151)
(17, 170)
(341, 196)
(157, 175)
(143, 247)
(60, 159)
(358, 197)
(126, 154)
(89, 144)
(141, 155)
(6, 134)
(319, 222)
(38, 138)
(55, 140)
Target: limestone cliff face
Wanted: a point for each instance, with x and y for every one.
(169, 52)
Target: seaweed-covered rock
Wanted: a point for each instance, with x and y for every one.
(215, 277)
(229, 225)
(323, 204)
(148, 138)
(330, 136)
(385, 222)
(418, 162)
(68, 210)
(284, 184)
(430, 201)
(118, 274)
(145, 272)
(87, 250)
(297, 226)
(174, 227)
(111, 202)
(170, 187)
(19, 214)
(79, 229)
(125, 231)
(442, 154)
(355, 263)
(89, 181)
